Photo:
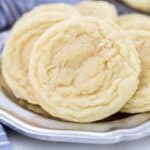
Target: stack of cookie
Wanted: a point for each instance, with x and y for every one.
(81, 63)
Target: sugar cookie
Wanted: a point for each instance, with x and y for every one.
(83, 69)
(100, 9)
(138, 27)
(17, 51)
(135, 21)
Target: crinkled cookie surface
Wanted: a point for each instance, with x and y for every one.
(19, 45)
(138, 27)
(99, 9)
(135, 21)
(83, 69)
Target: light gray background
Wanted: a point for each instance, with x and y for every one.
(19, 142)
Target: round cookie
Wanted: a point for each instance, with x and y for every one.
(142, 5)
(99, 9)
(134, 21)
(17, 51)
(140, 102)
(83, 69)
(8, 92)
(138, 28)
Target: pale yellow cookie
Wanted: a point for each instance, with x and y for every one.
(138, 28)
(100, 9)
(143, 5)
(135, 21)
(7, 91)
(83, 69)
(18, 47)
